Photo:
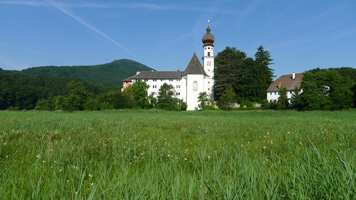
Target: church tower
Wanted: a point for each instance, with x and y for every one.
(208, 59)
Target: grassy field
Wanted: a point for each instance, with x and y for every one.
(135, 154)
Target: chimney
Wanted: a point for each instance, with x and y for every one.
(279, 85)
(293, 76)
(137, 72)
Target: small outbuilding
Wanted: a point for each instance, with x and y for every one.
(289, 81)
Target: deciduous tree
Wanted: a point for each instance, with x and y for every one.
(228, 99)
(326, 90)
(139, 90)
(283, 102)
(203, 100)
(166, 98)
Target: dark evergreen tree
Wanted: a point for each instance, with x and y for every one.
(265, 72)
(249, 78)
(227, 73)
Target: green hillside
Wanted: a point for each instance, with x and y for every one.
(109, 74)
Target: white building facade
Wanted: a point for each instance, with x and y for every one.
(188, 84)
(290, 81)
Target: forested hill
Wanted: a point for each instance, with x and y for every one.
(109, 74)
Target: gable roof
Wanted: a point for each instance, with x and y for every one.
(158, 75)
(128, 79)
(194, 67)
(287, 81)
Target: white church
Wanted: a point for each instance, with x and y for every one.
(188, 83)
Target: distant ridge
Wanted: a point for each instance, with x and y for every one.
(109, 74)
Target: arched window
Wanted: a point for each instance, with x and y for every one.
(195, 86)
(208, 53)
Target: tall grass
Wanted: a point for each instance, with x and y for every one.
(177, 155)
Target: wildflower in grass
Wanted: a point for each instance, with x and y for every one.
(185, 159)
(92, 184)
(90, 175)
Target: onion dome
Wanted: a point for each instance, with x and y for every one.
(208, 38)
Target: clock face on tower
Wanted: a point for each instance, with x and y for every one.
(208, 63)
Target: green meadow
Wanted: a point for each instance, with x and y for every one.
(153, 154)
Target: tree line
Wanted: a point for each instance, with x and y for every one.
(23, 92)
(109, 74)
(238, 79)
(241, 79)
(323, 89)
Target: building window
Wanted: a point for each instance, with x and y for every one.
(170, 80)
(208, 53)
(161, 79)
(208, 63)
(154, 80)
(208, 88)
(154, 86)
(195, 86)
(208, 82)
(178, 93)
(177, 86)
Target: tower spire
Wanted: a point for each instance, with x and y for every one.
(208, 38)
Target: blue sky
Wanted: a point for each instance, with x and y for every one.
(299, 34)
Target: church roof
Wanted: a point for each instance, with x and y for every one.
(286, 81)
(194, 67)
(158, 75)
